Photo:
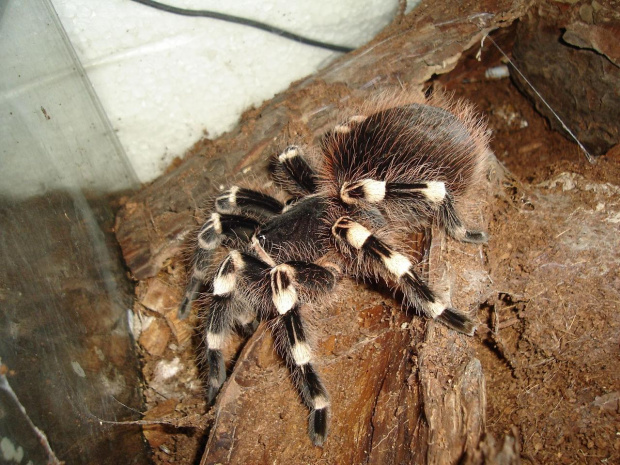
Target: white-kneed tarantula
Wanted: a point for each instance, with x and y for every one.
(399, 167)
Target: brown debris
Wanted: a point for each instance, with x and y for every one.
(571, 57)
(155, 337)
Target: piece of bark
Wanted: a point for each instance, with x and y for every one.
(571, 58)
(454, 396)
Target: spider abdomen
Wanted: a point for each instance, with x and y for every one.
(406, 145)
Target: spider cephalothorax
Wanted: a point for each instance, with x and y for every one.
(396, 168)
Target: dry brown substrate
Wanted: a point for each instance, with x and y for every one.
(551, 361)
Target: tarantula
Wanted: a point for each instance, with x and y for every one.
(400, 167)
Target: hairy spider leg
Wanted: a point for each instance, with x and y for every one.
(219, 226)
(396, 266)
(430, 196)
(227, 308)
(291, 165)
(372, 191)
(241, 200)
(292, 284)
(452, 224)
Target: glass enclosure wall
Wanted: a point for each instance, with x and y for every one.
(68, 370)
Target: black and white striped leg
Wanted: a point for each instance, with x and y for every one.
(452, 224)
(291, 163)
(398, 268)
(430, 196)
(292, 344)
(219, 320)
(219, 226)
(312, 281)
(430, 193)
(229, 308)
(239, 199)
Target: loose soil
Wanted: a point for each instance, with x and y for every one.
(551, 359)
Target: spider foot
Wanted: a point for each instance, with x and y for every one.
(475, 237)
(457, 321)
(217, 374)
(317, 426)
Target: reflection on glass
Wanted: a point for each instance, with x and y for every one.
(67, 359)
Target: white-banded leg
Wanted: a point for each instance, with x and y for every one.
(218, 321)
(291, 165)
(429, 196)
(451, 222)
(228, 308)
(218, 226)
(358, 240)
(240, 199)
(293, 283)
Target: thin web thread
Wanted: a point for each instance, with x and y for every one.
(581, 146)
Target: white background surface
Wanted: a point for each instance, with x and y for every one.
(166, 80)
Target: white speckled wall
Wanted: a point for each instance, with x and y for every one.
(165, 80)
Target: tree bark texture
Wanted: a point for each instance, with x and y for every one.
(570, 57)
